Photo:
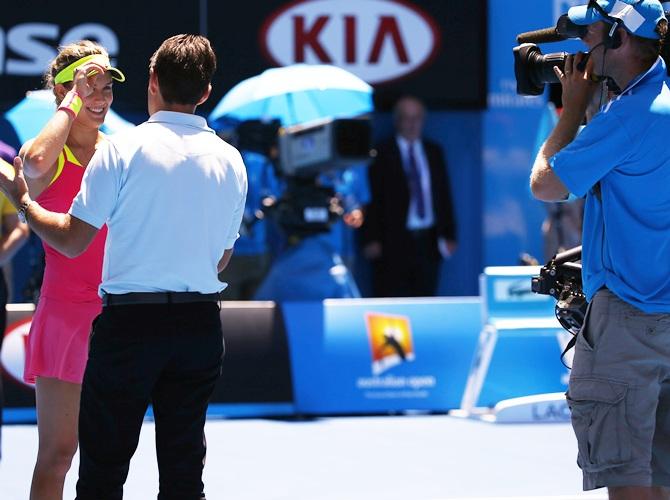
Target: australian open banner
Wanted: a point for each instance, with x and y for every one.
(380, 355)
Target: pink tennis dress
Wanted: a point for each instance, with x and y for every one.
(58, 340)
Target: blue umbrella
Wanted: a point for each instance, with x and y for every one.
(34, 111)
(295, 94)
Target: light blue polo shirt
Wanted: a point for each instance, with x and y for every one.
(625, 149)
(172, 194)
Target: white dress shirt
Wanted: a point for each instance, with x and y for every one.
(415, 222)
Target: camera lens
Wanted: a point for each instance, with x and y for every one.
(533, 69)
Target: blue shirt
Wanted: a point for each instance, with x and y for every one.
(625, 149)
(262, 182)
(351, 186)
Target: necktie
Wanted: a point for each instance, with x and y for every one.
(415, 181)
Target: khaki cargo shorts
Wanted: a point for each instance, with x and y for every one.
(619, 395)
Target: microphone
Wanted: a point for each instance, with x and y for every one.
(564, 30)
(540, 36)
(582, 65)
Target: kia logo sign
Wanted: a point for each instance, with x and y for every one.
(377, 40)
(13, 354)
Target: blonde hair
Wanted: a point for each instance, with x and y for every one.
(67, 54)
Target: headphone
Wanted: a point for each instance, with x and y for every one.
(613, 38)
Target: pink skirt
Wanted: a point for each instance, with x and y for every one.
(57, 345)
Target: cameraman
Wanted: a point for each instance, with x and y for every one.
(619, 390)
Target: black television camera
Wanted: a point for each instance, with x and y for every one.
(533, 69)
(300, 154)
(561, 278)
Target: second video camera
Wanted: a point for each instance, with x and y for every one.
(307, 149)
(561, 278)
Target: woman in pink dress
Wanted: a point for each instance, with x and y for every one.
(55, 161)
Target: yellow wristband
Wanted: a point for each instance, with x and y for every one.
(71, 103)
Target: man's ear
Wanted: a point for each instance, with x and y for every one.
(153, 82)
(623, 36)
(206, 95)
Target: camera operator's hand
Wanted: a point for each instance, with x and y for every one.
(578, 86)
(354, 218)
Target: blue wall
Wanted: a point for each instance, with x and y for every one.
(512, 218)
(460, 134)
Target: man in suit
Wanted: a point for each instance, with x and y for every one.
(410, 222)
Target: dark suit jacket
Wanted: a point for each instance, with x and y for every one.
(386, 215)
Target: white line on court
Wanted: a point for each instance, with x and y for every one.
(584, 496)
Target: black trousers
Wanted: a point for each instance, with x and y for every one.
(168, 355)
(410, 270)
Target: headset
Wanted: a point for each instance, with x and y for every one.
(613, 38)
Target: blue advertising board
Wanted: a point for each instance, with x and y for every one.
(381, 355)
(506, 293)
(526, 361)
(519, 348)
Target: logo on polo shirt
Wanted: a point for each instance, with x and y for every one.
(390, 339)
(14, 347)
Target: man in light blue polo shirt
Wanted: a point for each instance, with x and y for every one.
(619, 391)
(172, 195)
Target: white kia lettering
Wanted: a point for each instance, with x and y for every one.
(378, 40)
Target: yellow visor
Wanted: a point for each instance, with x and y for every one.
(67, 74)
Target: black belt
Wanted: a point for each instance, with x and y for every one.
(112, 299)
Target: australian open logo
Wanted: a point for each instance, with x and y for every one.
(390, 341)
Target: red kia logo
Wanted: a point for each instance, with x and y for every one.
(377, 40)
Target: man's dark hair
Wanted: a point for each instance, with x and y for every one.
(664, 48)
(184, 65)
(650, 49)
